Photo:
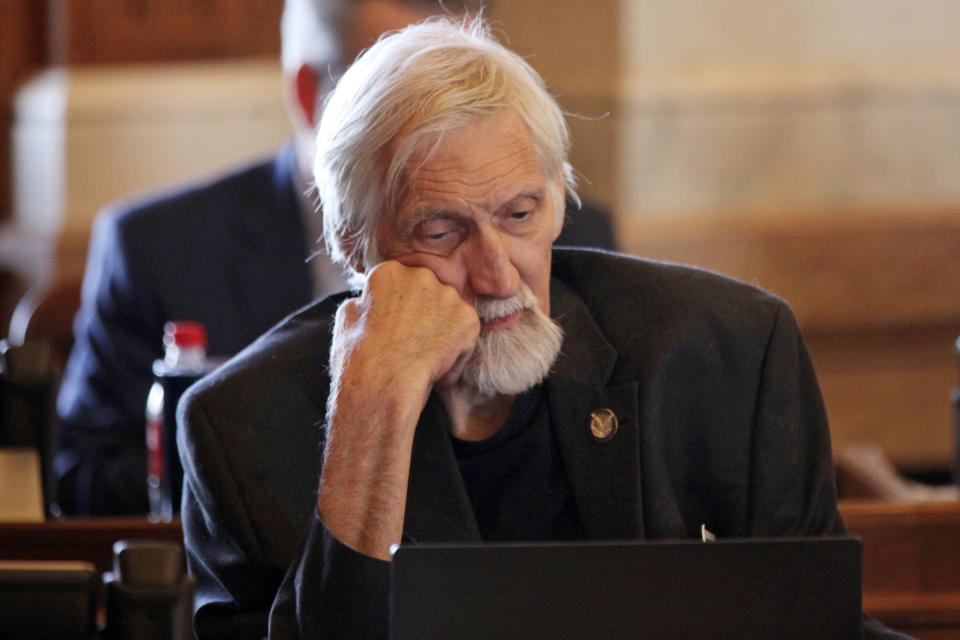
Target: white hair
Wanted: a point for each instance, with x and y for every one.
(399, 98)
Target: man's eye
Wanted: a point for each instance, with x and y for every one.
(433, 231)
(438, 236)
(520, 211)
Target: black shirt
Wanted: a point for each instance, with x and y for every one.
(516, 479)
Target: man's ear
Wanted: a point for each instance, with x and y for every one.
(307, 91)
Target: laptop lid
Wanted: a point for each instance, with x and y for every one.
(736, 588)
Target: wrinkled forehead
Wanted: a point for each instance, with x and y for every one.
(467, 142)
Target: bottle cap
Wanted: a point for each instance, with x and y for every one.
(184, 334)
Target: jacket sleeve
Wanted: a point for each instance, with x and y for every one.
(793, 478)
(243, 590)
(793, 491)
(331, 591)
(101, 465)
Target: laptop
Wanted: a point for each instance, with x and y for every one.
(743, 588)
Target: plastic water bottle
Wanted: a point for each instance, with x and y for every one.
(184, 362)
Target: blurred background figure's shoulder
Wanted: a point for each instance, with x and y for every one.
(590, 225)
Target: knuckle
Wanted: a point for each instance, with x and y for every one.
(423, 277)
(377, 274)
(347, 312)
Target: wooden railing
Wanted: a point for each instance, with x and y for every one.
(911, 564)
(88, 539)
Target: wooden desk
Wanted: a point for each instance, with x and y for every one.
(89, 539)
(911, 556)
(911, 564)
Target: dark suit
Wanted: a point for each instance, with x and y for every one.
(230, 254)
(721, 423)
(214, 253)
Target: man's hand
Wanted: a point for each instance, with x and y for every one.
(413, 330)
(404, 334)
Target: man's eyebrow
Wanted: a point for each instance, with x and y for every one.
(431, 211)
(533, 193)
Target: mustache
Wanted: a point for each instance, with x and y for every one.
(489, 308)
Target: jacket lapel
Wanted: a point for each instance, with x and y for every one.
(604, 474)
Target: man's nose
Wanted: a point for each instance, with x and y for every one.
(489, 269)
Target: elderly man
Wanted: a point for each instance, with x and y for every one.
(480, 385)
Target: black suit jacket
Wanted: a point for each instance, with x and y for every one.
(231, 254)
(721, 423)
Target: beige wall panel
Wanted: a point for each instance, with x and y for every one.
(711, 146)
(774, 33)
(91, 135)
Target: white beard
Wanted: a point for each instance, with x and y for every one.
(510, 361)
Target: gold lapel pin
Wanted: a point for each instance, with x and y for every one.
(603, 424)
